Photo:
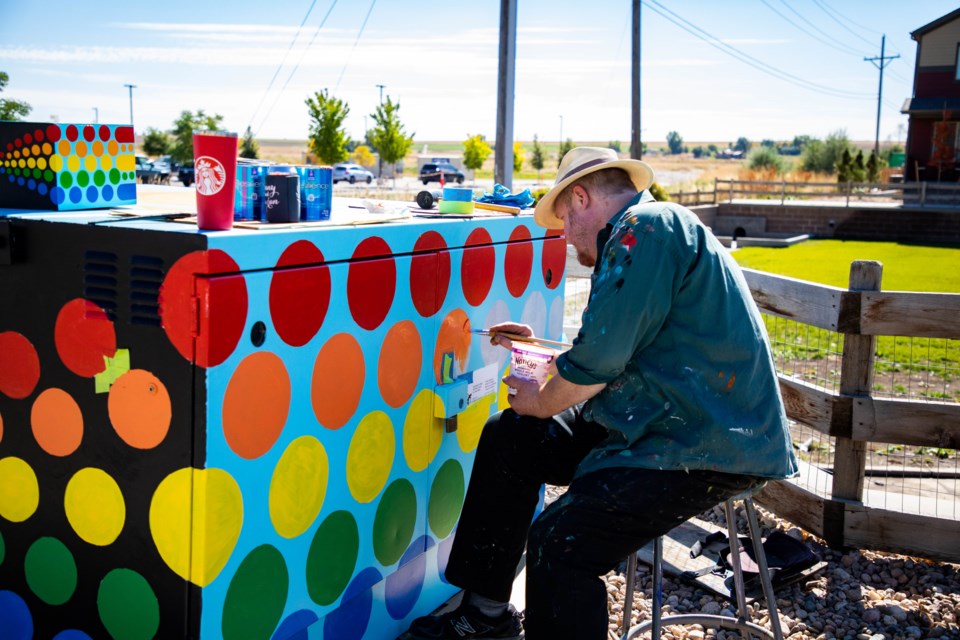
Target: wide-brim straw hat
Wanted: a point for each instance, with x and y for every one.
(581, 161)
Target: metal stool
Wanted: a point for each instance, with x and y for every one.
(742, 621)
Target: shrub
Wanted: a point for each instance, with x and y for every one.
(659, 193)
(766, 157)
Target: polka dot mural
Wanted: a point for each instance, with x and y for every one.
(265, 457)
(41, 163)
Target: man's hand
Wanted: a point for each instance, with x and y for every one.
(527, 397)
(508, 327)
(547, 401)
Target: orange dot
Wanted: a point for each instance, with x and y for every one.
(63, 147)
(401, 357)
(454, 337)
(97, 147)
(112, 147)
(256, 404)
(56, 422)
(139, 408)
(337, 382)
(81, 148)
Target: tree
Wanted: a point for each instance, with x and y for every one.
(156, 142)
(518, 156)
(537, 157)
(859, 168)
(873, 168)
(845, 167)
(387, 135)
(11, 109)
(249, 147)
(675, 142)
(765, 158)
(362, 156)
(475, 151)
(823, 156)
(615, 145)
(183, 128)
(742, 144)
(565, 146)
(328, 139)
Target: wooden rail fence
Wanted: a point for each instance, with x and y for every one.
(909, 193)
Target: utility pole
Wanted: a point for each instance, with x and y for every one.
(636, 144)
(507, 64)
(131, 87)
(880, 63)
(381, 87)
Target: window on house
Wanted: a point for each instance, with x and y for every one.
(945, 147)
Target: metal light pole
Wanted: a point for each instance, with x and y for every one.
(636, 142)
(379, 157)
(381, 87)
(131, 87)
(507, 56)
(96, 115)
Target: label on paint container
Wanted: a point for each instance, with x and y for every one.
(531, 362)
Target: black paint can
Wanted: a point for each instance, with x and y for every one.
(282, 197)
(426, 199)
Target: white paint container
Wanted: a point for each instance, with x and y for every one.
(530, 362)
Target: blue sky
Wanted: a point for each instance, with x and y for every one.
(439, 59)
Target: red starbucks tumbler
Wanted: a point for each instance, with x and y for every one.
(215, 176)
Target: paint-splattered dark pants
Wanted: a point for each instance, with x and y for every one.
(602, 517)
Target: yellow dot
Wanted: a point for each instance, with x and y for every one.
(370, 456)
(21, 163)
(46, 148)
(503, 394)
(56, 163)
(63, 147)
(298, 486)
(41, 163)
(106, 162)
(422, 433)
(470, 423)
(31, 162)
(97, 147)
(19, 490)
(112, 147)
(94, 506)
(35, 149)
(90, 163)
(195, 521)
(126, 162)
(73, 163)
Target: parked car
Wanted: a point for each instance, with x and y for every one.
(185, 174)
(351, 173)
(148, 173)
(430, 172)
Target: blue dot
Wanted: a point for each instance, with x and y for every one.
(76, 195)
(443, 555)
(349, 621)
(127, 191)
(31, 184)
(72, 634)
(294, 627)
(92, 193)
(57, 196)
(107, 192)
(42, 188)
(11, 177)
(405, 584)
(21, 181)
(15, 618)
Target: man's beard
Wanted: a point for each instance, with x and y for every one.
(585, 259)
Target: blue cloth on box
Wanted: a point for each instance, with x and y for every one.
(502, 195)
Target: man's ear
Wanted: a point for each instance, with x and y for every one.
(580, 198)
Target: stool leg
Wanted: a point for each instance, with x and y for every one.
(771, 598)
(738, 587)
(657, 585)
(631, 586)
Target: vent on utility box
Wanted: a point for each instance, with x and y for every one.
(146, 276)
(100, 280)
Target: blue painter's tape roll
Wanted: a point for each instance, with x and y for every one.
(457, 194)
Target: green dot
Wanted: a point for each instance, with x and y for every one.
(48, 175)
(332, 557)
(128, 606)
(16, 171)
(66, 180)
(446, 498)
(114, 176)
(37, 173)
(99, 178)
(256, 596)
(83, 179)
(394, 522)
(51, 571)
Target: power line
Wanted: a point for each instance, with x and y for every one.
(832, 14)
(825, 39)
(280, 66)
(715, 42)
(297, 66)
(360, 33)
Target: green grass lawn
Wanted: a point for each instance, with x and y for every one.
(906, 267)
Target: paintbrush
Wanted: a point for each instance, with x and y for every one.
(519, 338)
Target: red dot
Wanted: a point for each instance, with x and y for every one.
(19, 365)
(53, 133)
(89, 133)
(9, 146)
(72, 133)
(18, 143)
(554, 258)
(223, 311)
(124, 134)
(477, 266)
(371, 284)
(299, 297)
(518, 261)
(429, 273)
(84, 335)
(38, 135)
(104, 132)
(27, 138)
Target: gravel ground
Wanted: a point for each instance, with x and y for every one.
(860, 595)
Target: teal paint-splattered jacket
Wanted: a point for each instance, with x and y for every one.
(673, 331)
